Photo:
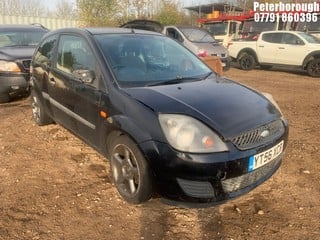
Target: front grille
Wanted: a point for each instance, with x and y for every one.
(196, 188)
(26, 64)
(259, 136)
(234, 184)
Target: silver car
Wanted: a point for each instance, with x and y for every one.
(199, 41)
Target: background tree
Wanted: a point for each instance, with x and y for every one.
(169, 13)
(65, 9)
(22, 7)
(98, 12)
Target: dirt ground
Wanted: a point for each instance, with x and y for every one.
(53, 186)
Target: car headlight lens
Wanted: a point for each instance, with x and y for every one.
(6, 66)
(187, 134)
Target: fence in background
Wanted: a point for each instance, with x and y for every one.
(50, 23)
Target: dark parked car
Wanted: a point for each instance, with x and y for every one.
(166, 122)
(17, 45)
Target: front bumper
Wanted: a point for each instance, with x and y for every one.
(207, 178)
(14, 84)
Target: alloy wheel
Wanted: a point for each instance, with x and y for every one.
(125, 170)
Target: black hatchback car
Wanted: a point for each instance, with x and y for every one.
(17, 45)
(167, 123)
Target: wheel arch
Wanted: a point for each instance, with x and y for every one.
(123, 125)
(248, 51)
(309, 57)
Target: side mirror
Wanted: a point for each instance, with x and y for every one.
(85, 76)
(299, 42)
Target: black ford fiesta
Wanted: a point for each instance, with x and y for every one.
(167, 123)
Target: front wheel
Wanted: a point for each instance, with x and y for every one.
(246, 61)
(313, 68)
(130, 171)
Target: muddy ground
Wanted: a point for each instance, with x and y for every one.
(53, 186)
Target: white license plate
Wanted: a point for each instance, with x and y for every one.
(265, 157)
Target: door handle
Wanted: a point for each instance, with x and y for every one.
(281, 48)
(52, 81)
(261, 46)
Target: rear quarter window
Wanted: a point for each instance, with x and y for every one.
(272, 37)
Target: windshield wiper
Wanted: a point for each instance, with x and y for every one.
(179, 79)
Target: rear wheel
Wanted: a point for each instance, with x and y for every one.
(246, 61)
(130, 170)
(313, 68)
(39, 114)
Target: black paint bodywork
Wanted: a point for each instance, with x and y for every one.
(225, 106)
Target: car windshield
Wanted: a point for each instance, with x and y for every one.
(20, 38)
(217, 28)
(197, 35)
(145, 60)
(309, 38)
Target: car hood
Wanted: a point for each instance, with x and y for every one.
(226, 106)
(212, 48)
(13, 53)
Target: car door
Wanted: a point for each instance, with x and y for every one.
(75, 88)
(291, 50)
(268, 47)
(42, 66)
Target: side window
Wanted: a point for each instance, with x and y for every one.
(272, 37)
(289, 38)
(45, 50)
(267, 37)
(74, 54)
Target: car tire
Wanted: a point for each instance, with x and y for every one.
(130, 171)
(39, 114)
(246, 61)
(313, 68)
(4, 98)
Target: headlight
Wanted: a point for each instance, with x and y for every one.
(187, 134)
(6, 66)
(202, 53)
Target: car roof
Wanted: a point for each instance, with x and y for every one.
(119, 30)
(22, 27)
(185, 26)
(104, 30)
(282, 31)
